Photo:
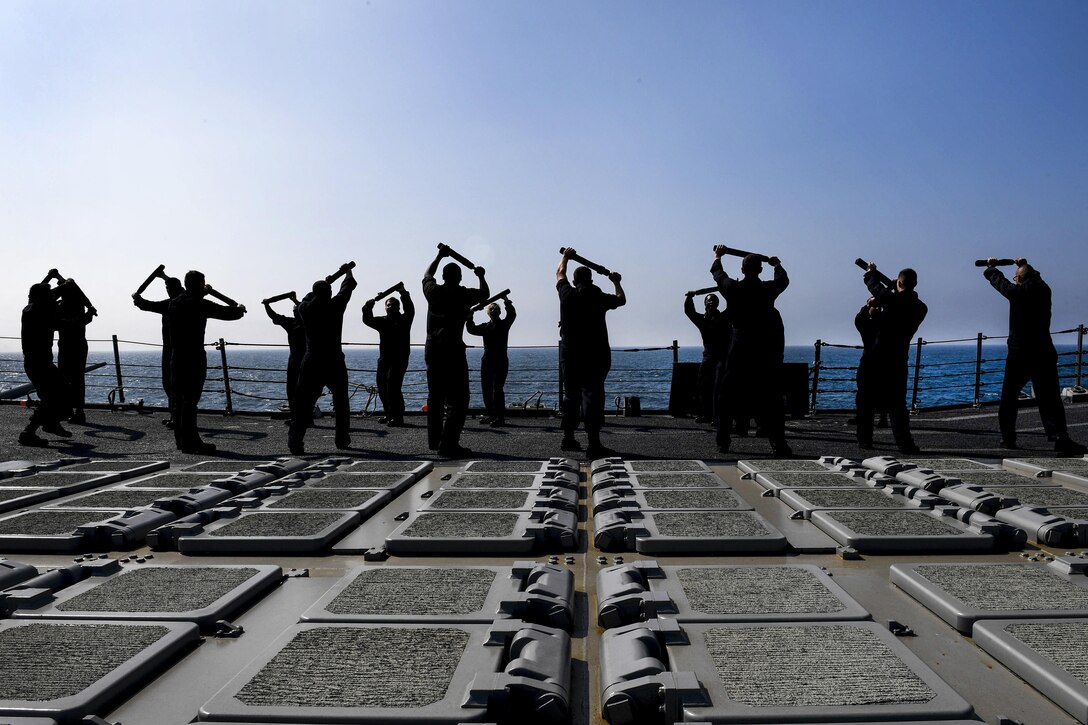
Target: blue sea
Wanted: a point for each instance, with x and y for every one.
(256, 376)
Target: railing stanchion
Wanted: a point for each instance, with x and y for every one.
(675, 352)
(978, 370)
(559, 356)
(117, 369)
(226, 376)
(917, 376)
(815, 377)
(1080, 352)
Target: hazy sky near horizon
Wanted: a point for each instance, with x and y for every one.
(264, 143)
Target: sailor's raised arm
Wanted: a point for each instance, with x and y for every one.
(485, 289)
(561, 271)
(432, 268)
(408, 307)
(781, 279)
(621, 296)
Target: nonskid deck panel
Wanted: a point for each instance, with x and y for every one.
(782, 589)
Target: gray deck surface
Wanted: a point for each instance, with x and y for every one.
(51, 523)
(176, 696)
(462, 525)
(173, 589)
(739, 590)
(48, 661)
(322, 499)
(392, 667)
(675, 480)
(1008, 586)
(811, 667)
(286, 523)
(960, 433)
(694, 498)
(427, 591)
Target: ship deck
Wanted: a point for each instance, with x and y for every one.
(177, 691)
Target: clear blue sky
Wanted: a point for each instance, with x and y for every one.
(265, 143)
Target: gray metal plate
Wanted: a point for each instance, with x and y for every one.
(501, 480)
(947, 464)
(118, 498)
(1046, 496)
(365, 501)
(1050, 654)
(676, 498)
(361, 673)
(1072, 513)
(63, 483)
(224, 466)
(48, 530)
(1079, 478)
(891, 531)
(794, 479)
(198, 594)
(447, 594)
(487, 499)
(678, 466)
(668, 480)
(392, 482)
(807, 500)
(271, 532)
(1039, 466)
(415, 594)
(812, 672)
(13, 499)
(177, 480)
(999, 477)
(555, 464)
(469, 499)
(68, 670)
(419, 469)
(719, 593)
(771, 465)
(674, 532)
(478, 532)
(960, 594)
(132, 468)
(494, 480)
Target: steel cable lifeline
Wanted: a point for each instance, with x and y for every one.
(639, 379)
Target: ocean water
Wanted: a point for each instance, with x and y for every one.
(257, 375)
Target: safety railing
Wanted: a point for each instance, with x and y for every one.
(970, 374)
(252, 377)
(244, 377)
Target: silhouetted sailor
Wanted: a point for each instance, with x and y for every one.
(495, 363)
(717, 334)
(187, 316)
(448, 306)
(754, 361)
(40, 319)
(584, 354)
(867, 322)
(323, 365)
(901, 312)
(1031, 355)
(296, 342)
(75, 313)
(394, 349)
(173, 289)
